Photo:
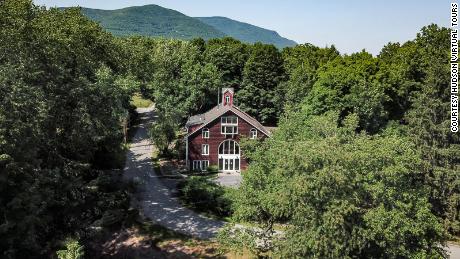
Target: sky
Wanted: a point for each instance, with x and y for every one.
(351, 25)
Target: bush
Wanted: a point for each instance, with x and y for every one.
(73, 250)
(213, 169)
(206, 196)
(162, 133)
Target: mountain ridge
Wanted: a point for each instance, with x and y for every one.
(157, 21)
(151, 20)
(247, 32)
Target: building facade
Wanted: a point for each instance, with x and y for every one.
(213, 137)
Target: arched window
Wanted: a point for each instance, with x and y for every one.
(229, 147)
(205, 133)
(253, 133)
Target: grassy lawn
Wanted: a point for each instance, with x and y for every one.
(140, 102)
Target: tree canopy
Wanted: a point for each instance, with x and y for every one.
(362, 164)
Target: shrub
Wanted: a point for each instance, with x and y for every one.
(73, 250)
(206, 196)
(212, 169)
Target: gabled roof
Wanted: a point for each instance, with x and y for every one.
(219, 110)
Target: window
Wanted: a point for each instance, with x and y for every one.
(229, 147)
(229, 130)
(229, 125)
(205, 149)
(227, 99)
(196, 165)
(200, 165)
(229, 120)
(204, 165)
(205, 133)
(253, 134)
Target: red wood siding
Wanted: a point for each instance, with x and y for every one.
(215, 139)
(224, 99)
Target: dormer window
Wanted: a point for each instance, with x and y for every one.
(229, 125)
(253, 134)
(227, 99)
(205, 133)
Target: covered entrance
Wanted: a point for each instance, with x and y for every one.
(229, 156)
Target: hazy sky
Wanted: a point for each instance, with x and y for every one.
(350, 25)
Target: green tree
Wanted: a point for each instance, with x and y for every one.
(340, 194)
(163, 132)
(347, 84)
(301, 63)
(259, 94)
(63, 96)
(429, 126)
(182, 84)
(400, 74)
(229, 56)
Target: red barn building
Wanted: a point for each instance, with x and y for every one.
(213, 137)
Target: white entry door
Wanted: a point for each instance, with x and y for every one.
(229, 163)
(229, 156)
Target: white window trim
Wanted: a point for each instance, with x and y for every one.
(226, 127)
(251, 135)
(227, 99)
(205, 133)
(205, 149)
(196, 164)
(226, 122)
(200, 165)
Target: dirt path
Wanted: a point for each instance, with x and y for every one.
(154, 199)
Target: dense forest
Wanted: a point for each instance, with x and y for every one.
(363, 163)
(156, 21)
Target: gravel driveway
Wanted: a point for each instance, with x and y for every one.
(153, 198)
(229, 179)
(454, 251)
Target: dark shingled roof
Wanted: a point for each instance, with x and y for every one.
(218, 111)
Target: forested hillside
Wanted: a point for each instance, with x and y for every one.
(152, 20)
(156, 21)
(362, 165)
(247, 32)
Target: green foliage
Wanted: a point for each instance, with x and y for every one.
(156, 21)
(347, 85)
(229, 56)
(63, 97)
(163, 132)
(262, 74)
(140, 102)
(152, 20)
(246, 32)
(340, 193)
(429, 126)
(362, 165)
(302, 63)
(181, 83)
(206, 196)
(73, 250)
